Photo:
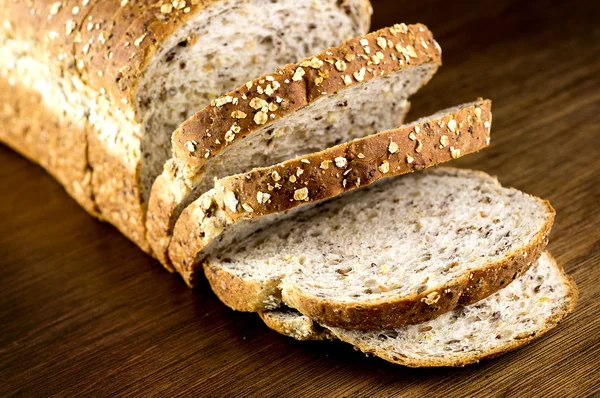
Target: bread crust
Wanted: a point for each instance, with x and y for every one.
(164, 206)
(46, 137)
(238, 293)
(51, 25)
(117, 192)
(551, 322)
(403, 150)
(71, 152)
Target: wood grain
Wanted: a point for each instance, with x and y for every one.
(83, 312)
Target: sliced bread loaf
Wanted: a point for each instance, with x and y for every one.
(113, 79)
(353, 90)
(401, 251)
(240, 203)
(525, 310)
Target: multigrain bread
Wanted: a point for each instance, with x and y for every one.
(356, 89)
(247, 201)
(55, 141)
(402, 251)
(516, 315)
(122, 75)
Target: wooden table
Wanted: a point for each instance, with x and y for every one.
(82, 311)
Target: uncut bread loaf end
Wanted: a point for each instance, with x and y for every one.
(94, 89)
(523, 311)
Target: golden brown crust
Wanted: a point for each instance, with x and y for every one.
(273, 96)
(56, 142)
(99, 32)
(239, 293)
(328, 173)
(163, 208)
(360, 162)
(414, 309)
(51, 24)
(117, 192)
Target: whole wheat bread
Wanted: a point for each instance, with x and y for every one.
(523, 311)
(353, 90)
(248, 201)
(401, 251)
(109, 81)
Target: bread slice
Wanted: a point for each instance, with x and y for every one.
(353, 90)
(401, 251)
(241, 202)
(523, 311)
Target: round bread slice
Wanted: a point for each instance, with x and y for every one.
(270, 191)
(522, 312)
(356, 89)
(402, 251)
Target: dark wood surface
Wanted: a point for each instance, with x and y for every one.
(82, 311)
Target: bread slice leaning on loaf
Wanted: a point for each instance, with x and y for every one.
(94, 89)
(353, 90)
(241, 203)
(516, 315)
(401, 251)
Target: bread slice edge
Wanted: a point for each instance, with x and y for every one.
(300, 327)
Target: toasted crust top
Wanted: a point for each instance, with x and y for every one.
(258, 103)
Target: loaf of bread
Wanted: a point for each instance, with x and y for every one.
(94, 89)
(525, 310)
(122, 102)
